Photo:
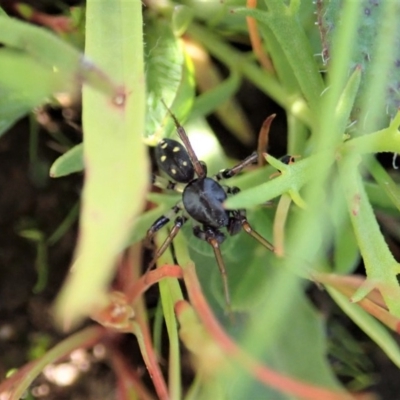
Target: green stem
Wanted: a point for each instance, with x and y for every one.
(297, 135)
(85, 338)
(171, 293)
(71, 217)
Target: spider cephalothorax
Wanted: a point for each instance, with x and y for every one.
(202, 199)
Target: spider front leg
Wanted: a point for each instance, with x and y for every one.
(229, 173)
(214, 237)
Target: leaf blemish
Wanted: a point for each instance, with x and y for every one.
(119, 99)
(356, 204)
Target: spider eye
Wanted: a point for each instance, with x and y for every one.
(173, 159)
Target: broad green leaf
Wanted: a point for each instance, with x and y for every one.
(19, 92)
(166, 74)
(35, 64)
(10, 111)
(283, 344)
(115, 157)
(54, 54)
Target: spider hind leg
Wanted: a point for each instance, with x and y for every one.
(240, 215)
(160, 223)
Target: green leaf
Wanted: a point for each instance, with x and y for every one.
(374, 329)
(296, 175)
(294, 43)
(19, 93)
(346, 100)
(115, 156)
(381, 267)
(380, 199)
(281, 331)
(374, 49)
(389, 189)
(207, 102)
(145, 221)
(181, 18)
(54, 55)
(265, 81)
(166, 73)
(68, 163)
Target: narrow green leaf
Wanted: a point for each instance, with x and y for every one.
(374, 329)
(346, 100)
(255, 74)
(386, 184)
(297, 175)
(381, 267)
(207, 102)
(380, 199)
(294, 43)
(68, 163)
(181, 18)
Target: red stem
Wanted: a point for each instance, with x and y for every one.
(150, 278)
(127, 378)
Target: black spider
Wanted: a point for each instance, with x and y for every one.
(202, 199)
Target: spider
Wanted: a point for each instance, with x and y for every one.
(202, 199)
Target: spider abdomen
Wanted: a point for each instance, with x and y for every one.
(202, 199)
(173, 159)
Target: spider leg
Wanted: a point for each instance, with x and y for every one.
(163, 183)
(240, 215)
(228, 173)
(162, 221)
(214, 237)
(179, 221)
(263, 138)
(197, 165)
